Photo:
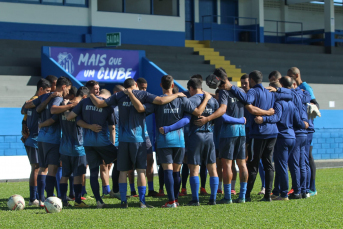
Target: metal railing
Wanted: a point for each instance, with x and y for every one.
(298, 33)
(235, 23)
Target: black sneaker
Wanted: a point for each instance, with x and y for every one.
(153, 193)
(124, 204)
(211, 202)
(266, 199)
(294, 196)
(248, 199)
(303, 195)
(134, 194)
(66, 204)
(193, 203)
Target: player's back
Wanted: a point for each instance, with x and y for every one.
(285, 125)
(32, 125)
(297, 99)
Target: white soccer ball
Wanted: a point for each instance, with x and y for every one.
(16, 202)
(53, 205)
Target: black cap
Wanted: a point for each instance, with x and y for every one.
(213, 81)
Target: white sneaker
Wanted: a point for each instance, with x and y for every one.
(115, 195)
(100, 205)
(41, 204)
(35, 202)
(308, 195)
(168, 205)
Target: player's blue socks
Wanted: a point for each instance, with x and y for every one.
(141, 193)
(63, 190)
(243, 190)
(203, 175)
(78, 191)
(41, 187)
(33, 193)
(83, 190)
(123, 191)
(132, 187)
(214, 182)
(71, 186)
(177, 184)
(50, 185)
(227, 191)
(194, 181)
(95, 183)
(169, 182)
(151, 185)
(106, 190)
(58, 179)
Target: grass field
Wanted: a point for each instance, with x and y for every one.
(322, 211)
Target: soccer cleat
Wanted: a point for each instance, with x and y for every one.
(266, 199)
(41, 204)
(124, 204)
(142, 205)
(80, 205)
(134, 194)
(100, 205)
(262, 192)
(169, 205)
(193, 203)
(303, 195)
(161, 192)
(291, 191)
(153, 193)
(66, 204)
(308, 195)
(219, 191)
(273, 197)
(115, 194)
(211, 202)
(233, 192)
(225, 201)
(203, 191)
(34, 203)
(183, 192)
(88, 197)
(239, 200)
(248, 199)
(312, 193)
(281, 198)
(295, 196)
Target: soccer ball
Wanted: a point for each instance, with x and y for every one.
(53, 205)
(16, 202)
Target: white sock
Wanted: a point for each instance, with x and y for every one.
(233, 184)
(220, 186)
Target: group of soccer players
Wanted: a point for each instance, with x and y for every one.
(66, 130)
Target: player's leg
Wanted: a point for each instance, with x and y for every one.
(313, 190)
(67, 168)
(161, 179)
(184, 176)
(104, 174)
(214, 182)
(58, 179)
(52, 155)
(115, 181)
(80, 165)
(203, 178)
(226, 149)
(71, 187)
(234, 177)
(169, 182)
(32, 154)
(262, 176)
(294, 168)
(177, 181)
(194, 182)
(267, 160)
(131, 176)
(240, 155)
(303, 167)
(150, 172)
(220, 172)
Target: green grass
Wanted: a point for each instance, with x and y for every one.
(321, 211)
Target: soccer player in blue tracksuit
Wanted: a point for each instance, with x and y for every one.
(294, 72)
(49, 137)
(95, 123)
(171, 146)
(31, 145)
(286, 115)
(132, 148)
(264, 135)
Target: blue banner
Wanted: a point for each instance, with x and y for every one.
(102, 65)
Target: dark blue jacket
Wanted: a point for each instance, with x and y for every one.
(263, 99)
(299, 98)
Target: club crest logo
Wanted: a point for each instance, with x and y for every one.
(66, 61)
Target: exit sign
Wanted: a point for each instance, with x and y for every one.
(113, 39)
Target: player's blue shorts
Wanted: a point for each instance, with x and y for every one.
(232, 148)
(148, 145)
(132, 155)
(201, 149)
(48, 154)
(75, 165)
(170, 155)
(32, 154)
(97, 154)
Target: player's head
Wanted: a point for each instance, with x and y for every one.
(245, 82)
(286, 82)
(193, 86)
(197, 76)
(53, 80)
(118, 88)
(93, 87)
(175, 89)
(217, 94)
(142, 84)
(274, 76)
(82, 92)
(222, 76)
(72, 93)
(294, 72)
(130, 83)
(63, 84)
(167, 82)
(275, 84)
(104, 93)
(43, 87)
(255, 77)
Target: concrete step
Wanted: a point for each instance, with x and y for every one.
(20, 70)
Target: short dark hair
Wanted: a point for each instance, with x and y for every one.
(105, 92)
(217, 91)
(141, 80)
(129, 82)
(275, 74)
(286, 81)
(194, 83)
(118, 88)
(43, 83)
(166, 81)
(245, 76)
(91, 83)
(73, 91)
(175, 89)
(197, 76)
(220, 72)
(256, 76)
(51, 78)
(82, 91)
(275, 84)
(63, 81)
